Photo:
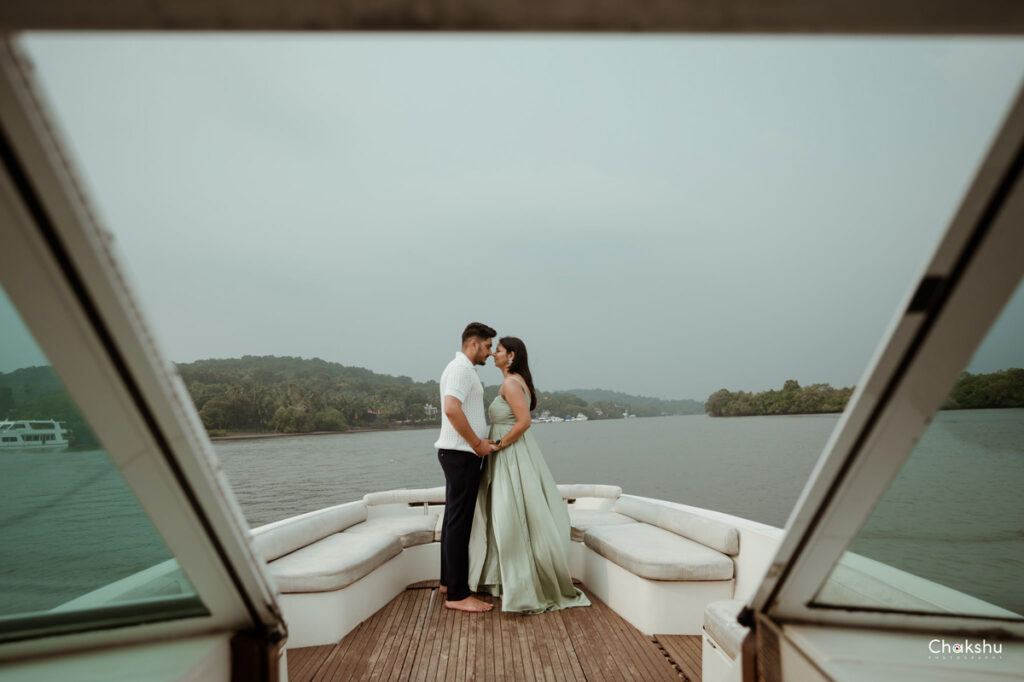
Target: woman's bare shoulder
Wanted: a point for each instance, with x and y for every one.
(515, 381)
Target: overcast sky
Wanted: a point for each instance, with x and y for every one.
(659, 215)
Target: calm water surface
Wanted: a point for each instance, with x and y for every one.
(754, 467)
(69, 524)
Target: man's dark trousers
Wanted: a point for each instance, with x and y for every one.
(462, 479)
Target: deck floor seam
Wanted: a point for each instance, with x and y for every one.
(668, 657)
(683, 653)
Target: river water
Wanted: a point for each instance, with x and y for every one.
(69, 524)
(754, 467)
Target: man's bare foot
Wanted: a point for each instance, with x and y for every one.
(469, 604)
(443, 589)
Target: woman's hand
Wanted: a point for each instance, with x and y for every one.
(484, 447)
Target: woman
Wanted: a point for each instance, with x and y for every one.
(519, 544)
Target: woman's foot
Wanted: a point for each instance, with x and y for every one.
(471, 604)
(443, 589)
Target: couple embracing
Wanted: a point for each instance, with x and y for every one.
(505, 528)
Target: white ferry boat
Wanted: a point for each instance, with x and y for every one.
(348, 592)
(32, 434)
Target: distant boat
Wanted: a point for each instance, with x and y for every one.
(582, 417)
(28, 434)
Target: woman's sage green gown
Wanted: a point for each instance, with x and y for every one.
(519, 544)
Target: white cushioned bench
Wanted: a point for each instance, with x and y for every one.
(657, 554)
(316, 559)
(721, 625)
(333, 562)
(591, 505)
(299, 536)
(388, 512)
(722, 641)
(582, 520)
(656, 565)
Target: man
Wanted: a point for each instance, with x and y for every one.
(460, 448)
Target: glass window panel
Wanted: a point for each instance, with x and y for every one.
(948, 534)
(78, 550)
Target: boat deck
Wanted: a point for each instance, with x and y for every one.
(415, 638)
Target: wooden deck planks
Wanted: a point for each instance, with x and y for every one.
(306, 662)
(594, 659)
(424, 664)
(415, 638)
(685, 652)
(648, 661)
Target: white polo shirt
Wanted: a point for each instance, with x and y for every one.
(460, 379)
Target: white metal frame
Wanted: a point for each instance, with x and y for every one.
(908, 377)
(59, 271)
(973, 273)
(998, 17)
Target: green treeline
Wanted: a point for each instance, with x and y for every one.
(792, 399)
(293, 395)
(641, 406)
(37, 393)
(571, 403)
(972, 391)
(979, 391)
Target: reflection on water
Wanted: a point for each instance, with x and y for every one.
(956, 506)
(69, 524)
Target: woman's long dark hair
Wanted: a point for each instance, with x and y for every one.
(520, 364)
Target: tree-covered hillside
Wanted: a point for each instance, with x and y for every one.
(657, 405)
(293, 395)
(37, 393)
(792, 399)
(972, 391)
(998, 389)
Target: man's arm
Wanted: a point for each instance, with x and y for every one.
(453, 410)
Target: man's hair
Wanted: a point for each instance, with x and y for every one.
(477, 330)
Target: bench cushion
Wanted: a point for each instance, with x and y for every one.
(334, 562)
(720, 623)
(581, 520)
(405, 496)
(715, 534)
(411, 529)
(658, 554)
(281, 537)
(574, 490)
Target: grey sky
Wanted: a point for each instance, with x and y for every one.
(658, 215)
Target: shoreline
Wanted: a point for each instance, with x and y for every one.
(361, 429)
(367, 429)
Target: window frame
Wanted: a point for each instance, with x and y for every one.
(973, 273)
(59, 270)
